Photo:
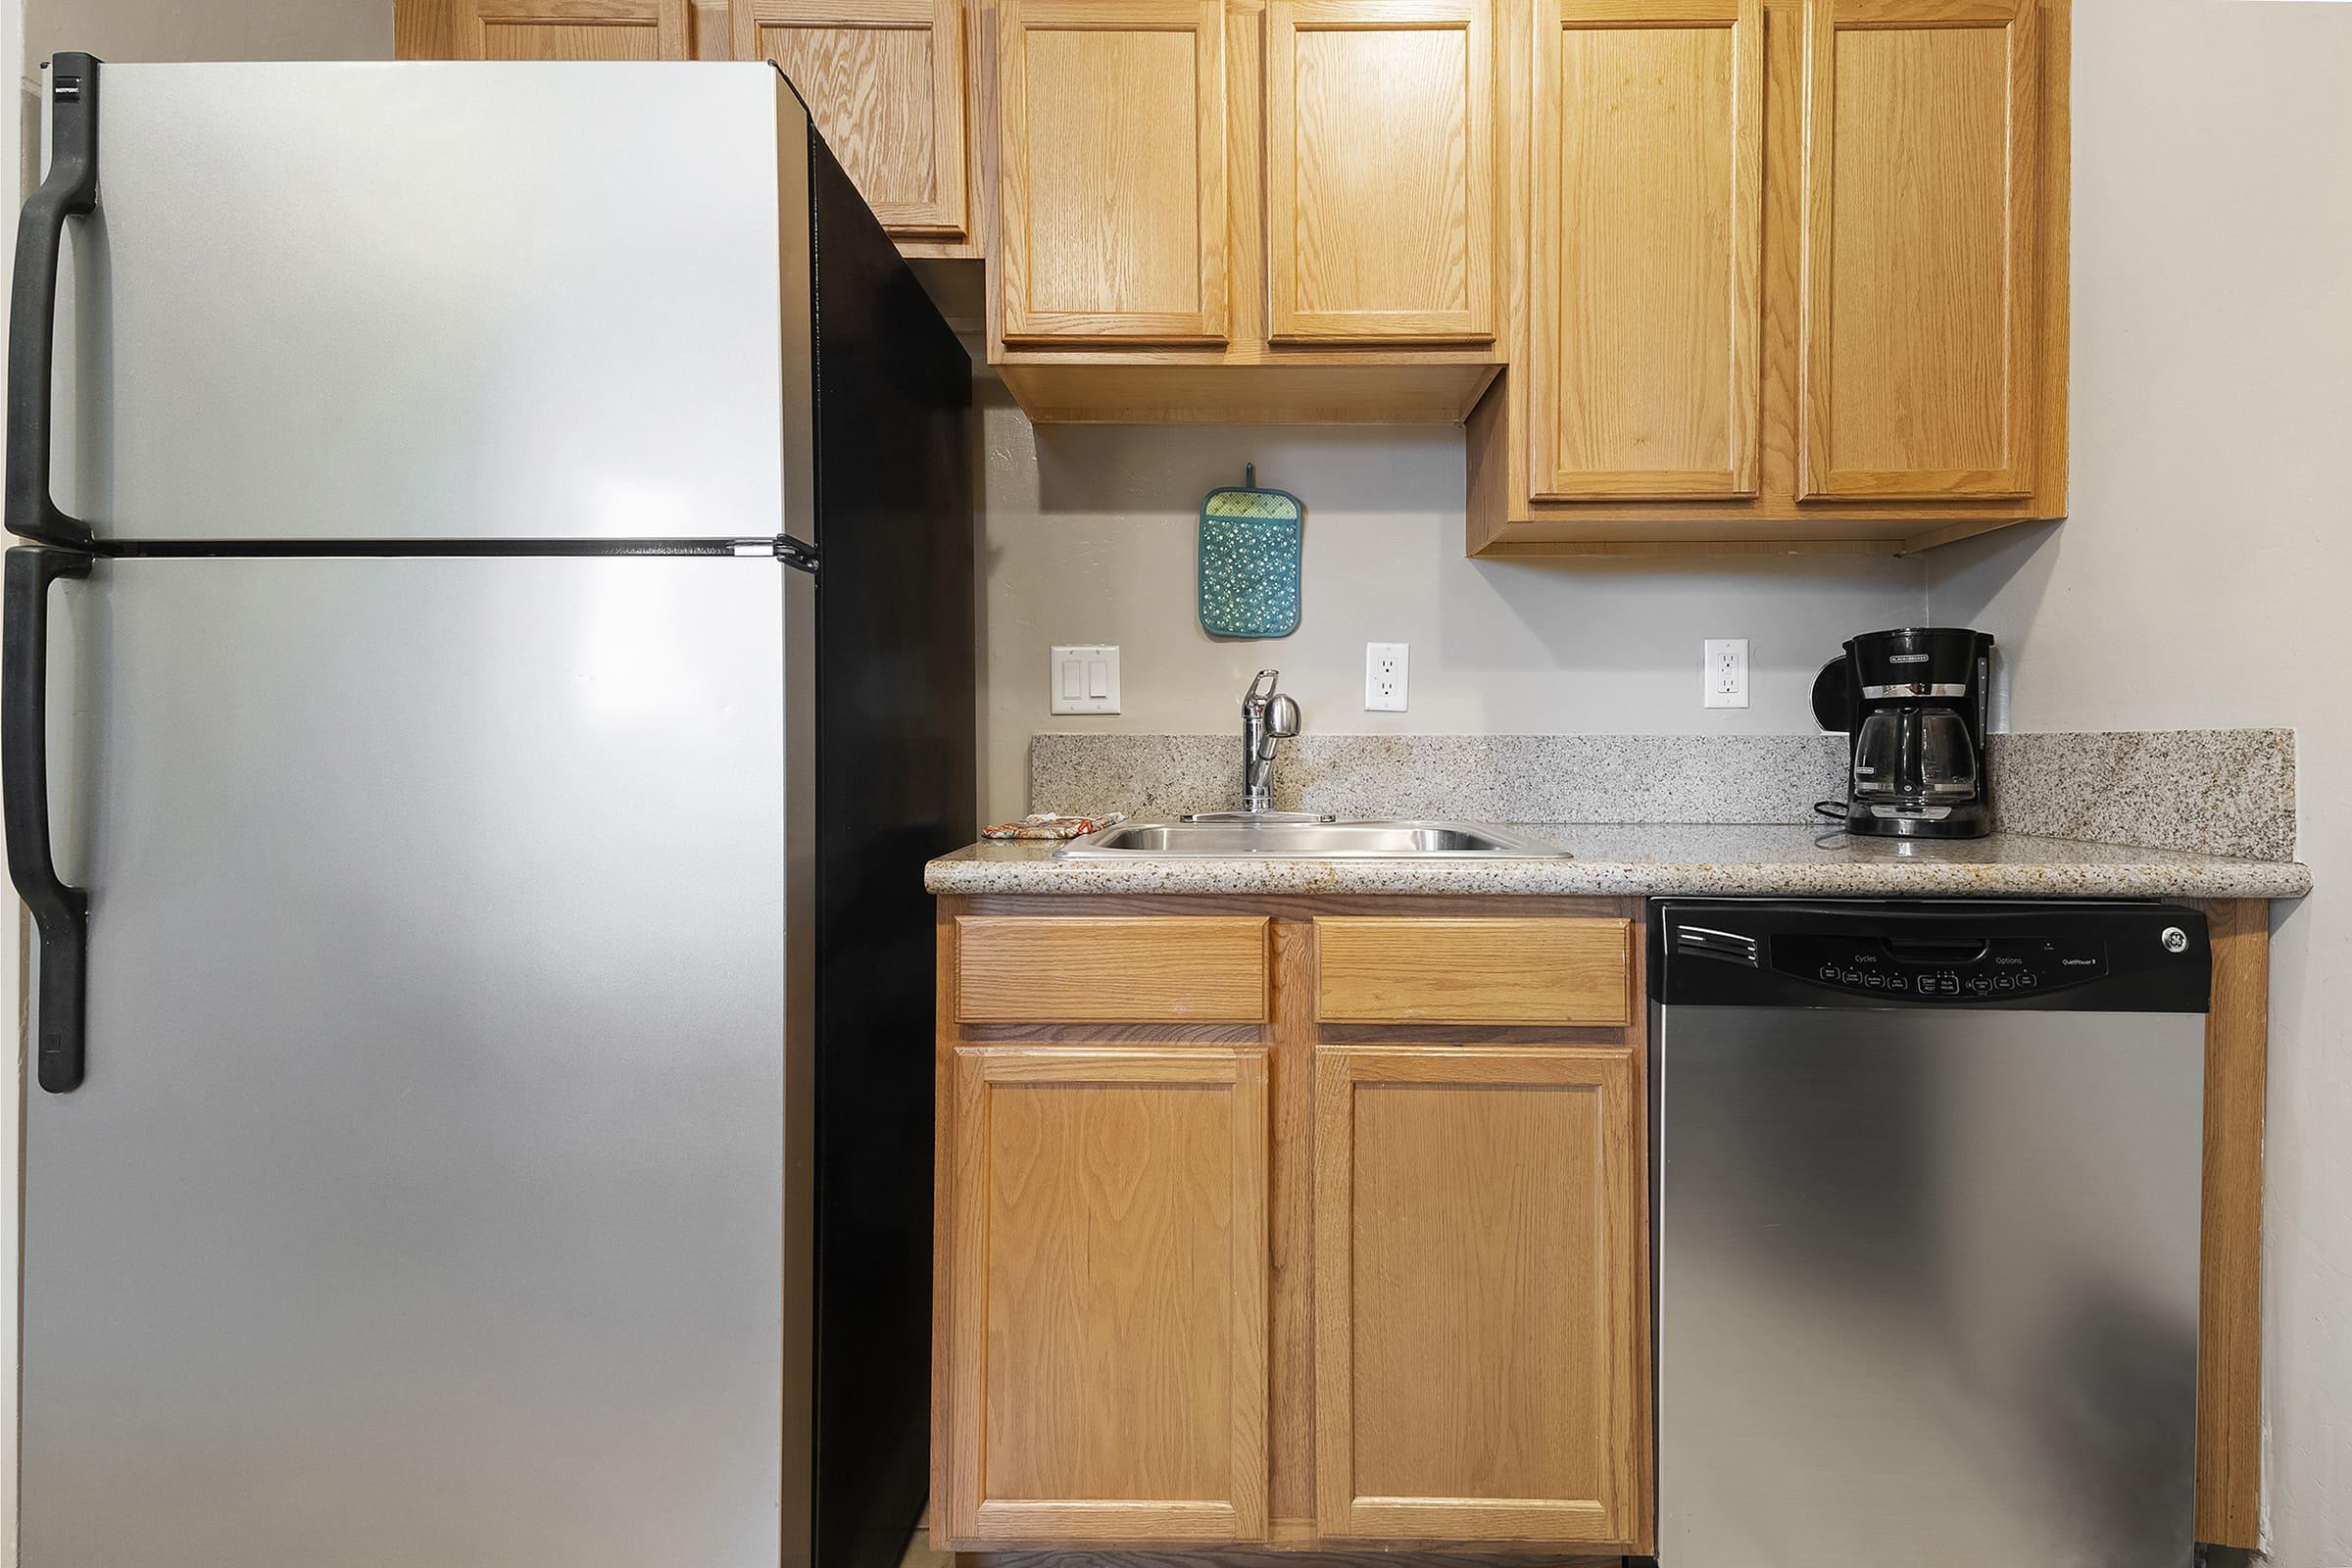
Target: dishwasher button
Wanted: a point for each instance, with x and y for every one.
(1875, 981)
(2002, 982)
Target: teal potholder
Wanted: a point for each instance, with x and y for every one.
(1250, 541)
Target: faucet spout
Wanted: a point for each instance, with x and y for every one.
(1267, 715)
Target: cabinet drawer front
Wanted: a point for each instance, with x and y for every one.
(1107, 1363)
(1473, 972)
(1112, 970)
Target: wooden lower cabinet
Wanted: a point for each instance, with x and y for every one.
(1479, 1322)
(1106, 1376)
(1237, 1248)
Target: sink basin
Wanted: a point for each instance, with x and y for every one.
(1314, 840)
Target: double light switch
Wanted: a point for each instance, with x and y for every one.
(1085, 679)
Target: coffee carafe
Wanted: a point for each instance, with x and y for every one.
(1913, 706)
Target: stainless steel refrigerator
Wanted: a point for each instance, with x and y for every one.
(496, 651)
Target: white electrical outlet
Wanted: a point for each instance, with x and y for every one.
(1085, 679)
(1726, 673)
(1383, 678)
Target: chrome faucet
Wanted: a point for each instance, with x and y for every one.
(1267, 715)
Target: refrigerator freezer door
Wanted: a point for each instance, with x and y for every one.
(427, 1199)
(436, 300)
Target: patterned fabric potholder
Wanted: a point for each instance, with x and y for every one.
(1251, 540)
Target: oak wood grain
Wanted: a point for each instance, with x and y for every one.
(1108, 1338)
(1647, 250)
(1291, 1496)
(1380, 169)
(1110, 170)
(1478, 1343)
(1083, 969)
(573, 30)
(1399, 969)
(2230, 1335)
(424, 29)
(885, 81)
(1505, 519)
(1922, 177)
(1242, 389)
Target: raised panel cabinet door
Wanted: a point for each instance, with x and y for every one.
(1647, 248)
(1111, 221)
(1921, 221)
(1380, 169)
(573, 30)
(884, 80)
(1107, 1294)
(1480, 1344)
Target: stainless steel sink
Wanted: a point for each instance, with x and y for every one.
(1312, 841)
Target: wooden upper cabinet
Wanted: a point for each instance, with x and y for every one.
(572, 29)
(884, 80)
(1921, 168)
(1480, 1331)
(1380, 169)
(1646, 254)
(1112, 215)
(1106, 1376)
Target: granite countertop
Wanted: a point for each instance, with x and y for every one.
(1618, 860)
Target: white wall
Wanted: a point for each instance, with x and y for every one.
(30, 31)
(2209, 549)
(1090, 535)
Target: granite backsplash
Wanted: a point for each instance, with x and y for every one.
(2214, 792)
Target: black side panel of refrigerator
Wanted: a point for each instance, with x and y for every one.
(895, 786)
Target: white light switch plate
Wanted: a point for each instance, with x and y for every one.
(1085, 679)
(1726, 673)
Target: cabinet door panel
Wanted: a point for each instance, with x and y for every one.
(572, 30)
(1480, 1344)
(1921, 207)
(1112, 169)
(1380, 169)
(1647, 251)
(885, 82)
(1109, 1295)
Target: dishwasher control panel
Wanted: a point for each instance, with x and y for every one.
(1993, 969)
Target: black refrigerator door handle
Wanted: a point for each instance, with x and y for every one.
(60, 912)
(70, 190)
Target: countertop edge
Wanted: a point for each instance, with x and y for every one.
(2056, 878)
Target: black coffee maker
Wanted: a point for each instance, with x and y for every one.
(1912, 703)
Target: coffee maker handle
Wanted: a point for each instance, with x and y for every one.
(1910, 743)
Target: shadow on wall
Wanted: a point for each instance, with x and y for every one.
(1617, 607)
(1996, 581)
(1084, 468)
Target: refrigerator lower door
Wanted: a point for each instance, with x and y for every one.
(434, 1192)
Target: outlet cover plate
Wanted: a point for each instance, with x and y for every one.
(1724, 673)
(1385, 672)
(1085, 678)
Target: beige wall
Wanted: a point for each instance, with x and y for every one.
(209, 30)
(2210, 551)
(1090, 536)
